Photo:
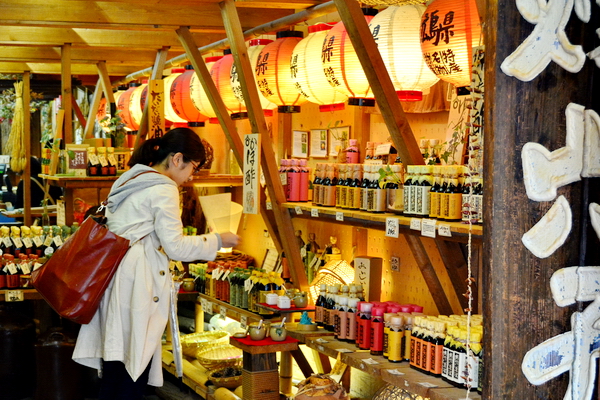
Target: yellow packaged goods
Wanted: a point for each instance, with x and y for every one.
(225, 394)
(195, 374)
(320, 387)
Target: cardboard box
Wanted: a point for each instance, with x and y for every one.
(367, 272)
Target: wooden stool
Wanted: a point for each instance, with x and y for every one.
(260, 376)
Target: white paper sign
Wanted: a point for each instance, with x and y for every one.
(444, 230)
(428, 227)
(391, 227)
(415, 224)
(298, 210)
(314, 212)
(251, 173)
(339, 216)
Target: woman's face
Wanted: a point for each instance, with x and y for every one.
(179, 170)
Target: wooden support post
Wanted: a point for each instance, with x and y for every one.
(431, 279)
(322, 361)
(302, 362)
(67, 92)
(105, 80)
(235, 34)
(380, 81)
(27, 143)
(157, 71)
(89, 128)
(285, 373)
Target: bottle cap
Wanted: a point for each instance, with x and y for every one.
(342, 300)
(366, 307)
(323, 287)
(396, 320)
(352, 302)
(378, 312)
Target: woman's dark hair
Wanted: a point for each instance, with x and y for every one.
(179, 140)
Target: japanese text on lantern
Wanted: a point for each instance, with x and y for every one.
(251, 194)
(156, 109)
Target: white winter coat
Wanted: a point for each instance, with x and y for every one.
(133, 313)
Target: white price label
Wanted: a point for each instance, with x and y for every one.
(243, 322)
(444, 230)
(395, 264)
(314, 212)
(392, 227)
(415, 223)
(395, 372)
(339, 216)
(344, 351)
(14, 295)
(427, 384)
(223, 311)
(283, 178)
(209, 307)
(428, 227)
(371, 361)
(298, 210)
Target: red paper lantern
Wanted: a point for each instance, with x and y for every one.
(273, 75)
(449, 30)
(198, 95)
(181, 99)
(342, 66)
(221, 76)
(124, 105)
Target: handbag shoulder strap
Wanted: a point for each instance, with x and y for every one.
(105, 202)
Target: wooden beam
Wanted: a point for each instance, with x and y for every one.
(433, 283)
(200, 14)
(100, 38)
(27, 143)
(258, 124)
(94, 106)
(282, 23)
(55, 69)
(67, 92)
(105, 80)
(157, 72)
(379, 79)
(454, 261)
(78, 112)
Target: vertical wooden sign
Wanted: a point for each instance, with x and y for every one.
(156, 108)
(251, 173)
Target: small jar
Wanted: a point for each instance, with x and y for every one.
(278, 333)
(188, 285)
(272, 299)
(284, 302)
(301, 300)
(257, 333)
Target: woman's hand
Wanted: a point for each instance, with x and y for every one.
(229, 239)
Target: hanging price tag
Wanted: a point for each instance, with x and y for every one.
(283, 178)
(25, 268)
(38, 241)
(12, 268)
(7, 242)
(444, 230)
(392, 227)
(339, 216)
(415, 223)
(428, 227)
(57, 241)
(14, 295)
(314, 212)
(28, 242)
(17, 241)
(298, 210)
(47, 241)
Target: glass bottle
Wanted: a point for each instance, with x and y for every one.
(320, 304)
(103, 161)
(341, 318)
(364, 188)
(408, 187)
(376, 332)
(351, 315)
(304, 181)
(112, 161)
(15, 236)
(93, 165)
(444, 193)
(352, 155)
(364, 326)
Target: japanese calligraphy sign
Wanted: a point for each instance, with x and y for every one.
(156, 109)
(251, 192)
(367, 272)
(449, 30)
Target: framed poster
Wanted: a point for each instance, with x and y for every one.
(318, 143)
(300, 144)
(338, 138)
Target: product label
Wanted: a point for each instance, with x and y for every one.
(318, 314)
(38, 241)
(28, 242)
(17, 241)
(12, 268)
(57, 241)
(93, 158)
(103, 160)
(48, 241)
(25, 267)
(7, 242)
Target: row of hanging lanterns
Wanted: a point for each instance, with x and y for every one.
(419, 45)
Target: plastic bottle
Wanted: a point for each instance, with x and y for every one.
(293, 175)
(438, 348)
(387, 317)
(395, 339)
(352, 155)
(351, 316)
(341, 318)
(304, 181)
(320, 305)
(415, 344)
(377, 331)
(408, 321)
(364, 326)
(317, 185)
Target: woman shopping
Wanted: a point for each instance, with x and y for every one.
(124, 337)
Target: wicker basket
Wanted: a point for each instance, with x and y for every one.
(231, 382)
(219, 356)
(192, 343)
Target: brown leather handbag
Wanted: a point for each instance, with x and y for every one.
(74, 279)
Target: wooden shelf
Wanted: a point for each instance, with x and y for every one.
(398, 374)
(459, 231)
(232, 312)
(216, 180)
